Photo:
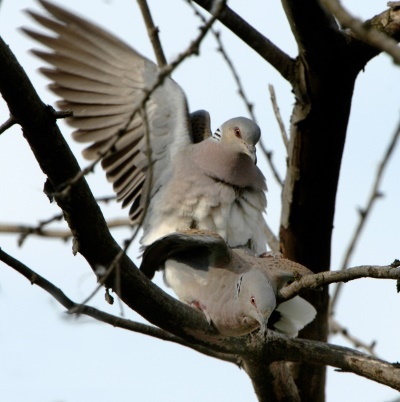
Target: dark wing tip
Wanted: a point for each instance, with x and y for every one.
(196, 248)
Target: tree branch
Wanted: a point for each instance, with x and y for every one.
(152, 31)
(77, 309)
(278, 116)
(364, 213)
(255, 349)
(336, 328)
(81, 211)
(325, 278)
(26, 231)
(347, 360)
(7, 124)
(283, 63)
(367, 32)
(316, 31)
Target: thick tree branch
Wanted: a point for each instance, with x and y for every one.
(7, 124)
(259, 351)
(323, 86)
(283, 63)
(346, 359)
(316, 31)
(81, 211)
(369, 32)
(77, 309)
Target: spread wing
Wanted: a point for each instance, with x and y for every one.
(105, 82)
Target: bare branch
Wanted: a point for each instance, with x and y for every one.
(77, 309)
(62, 114)
(279, 347)
(347, 360)
(364, 32)
(336, 328)
(278, 116)
(283, 63)
(27, 230)
(152, 31)
(7, 124)
(365, 212)
(328, 277)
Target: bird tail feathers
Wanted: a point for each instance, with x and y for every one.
(295, 314)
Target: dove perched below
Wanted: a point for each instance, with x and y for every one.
(163, 162)
(235, 290)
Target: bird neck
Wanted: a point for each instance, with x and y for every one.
(223, 163)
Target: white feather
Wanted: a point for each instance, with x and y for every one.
(295, 315)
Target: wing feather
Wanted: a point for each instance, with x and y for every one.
(103, 81)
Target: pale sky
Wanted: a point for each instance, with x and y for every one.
(46, 356)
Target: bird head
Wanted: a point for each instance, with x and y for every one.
(255, 297)
(242, 134)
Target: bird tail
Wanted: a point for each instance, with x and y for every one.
(295, 314)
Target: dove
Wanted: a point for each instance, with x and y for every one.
(236, 290)
(164, 163)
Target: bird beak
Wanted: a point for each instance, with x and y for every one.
(252, 153)
(262, 320)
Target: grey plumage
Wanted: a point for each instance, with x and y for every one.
(195, 179)
(236, 290)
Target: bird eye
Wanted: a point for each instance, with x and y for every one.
(237, 132)
(253, 300)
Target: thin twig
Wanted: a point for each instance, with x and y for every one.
(278, 116)
(7, 124)
(27, 230)
(99, 315)
(152, 31)
(328, 277)
(62, 114)
(336, 328)
(365, 212)
(368, 34)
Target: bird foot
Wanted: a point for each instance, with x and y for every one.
(199, 306)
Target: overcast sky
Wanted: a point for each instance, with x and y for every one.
(47, 356)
